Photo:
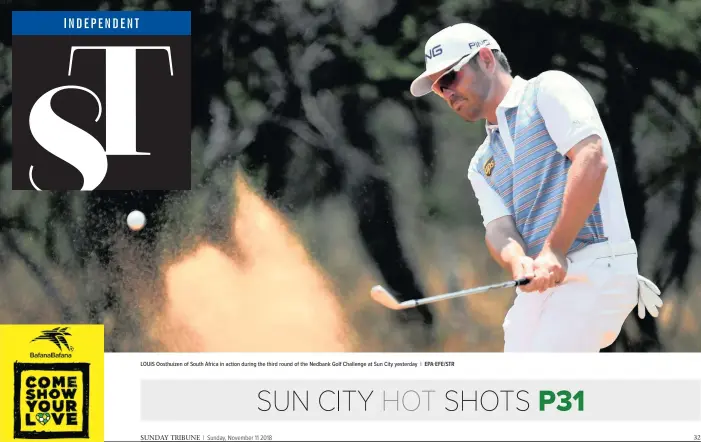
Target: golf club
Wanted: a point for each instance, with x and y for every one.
(380, 295)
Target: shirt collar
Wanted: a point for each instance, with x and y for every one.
(510, 100)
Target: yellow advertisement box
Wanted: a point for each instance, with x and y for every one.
(52, 382)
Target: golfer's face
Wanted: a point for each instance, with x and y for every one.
(465, 91)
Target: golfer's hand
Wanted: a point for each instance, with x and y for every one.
(523, 267)
(550, 268)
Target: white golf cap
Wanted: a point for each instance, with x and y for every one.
(447, 47)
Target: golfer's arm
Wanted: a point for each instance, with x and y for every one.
(504, 242)
(585, 180)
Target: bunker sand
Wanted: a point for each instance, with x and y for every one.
(266, 294)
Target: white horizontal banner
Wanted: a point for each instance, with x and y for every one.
(412, 396)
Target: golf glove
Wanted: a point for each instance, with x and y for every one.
(648, 297)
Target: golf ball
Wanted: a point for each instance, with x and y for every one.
(136, 220)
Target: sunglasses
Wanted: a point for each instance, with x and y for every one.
(448, 79)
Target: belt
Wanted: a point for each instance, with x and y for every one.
(604, 249)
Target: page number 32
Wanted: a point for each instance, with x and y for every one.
(697, 436)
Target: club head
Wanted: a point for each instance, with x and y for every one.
(380, 295)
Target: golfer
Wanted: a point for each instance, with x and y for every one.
(547, 187)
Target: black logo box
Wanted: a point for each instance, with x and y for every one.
(82, 367)
(40, 63)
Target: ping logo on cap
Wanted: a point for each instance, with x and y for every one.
(478, 44)
(434, 52)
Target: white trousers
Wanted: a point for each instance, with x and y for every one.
(583, 315)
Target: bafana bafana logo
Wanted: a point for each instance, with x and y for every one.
(52, 398)
(57, 336)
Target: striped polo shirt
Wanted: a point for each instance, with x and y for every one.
(521, 168)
